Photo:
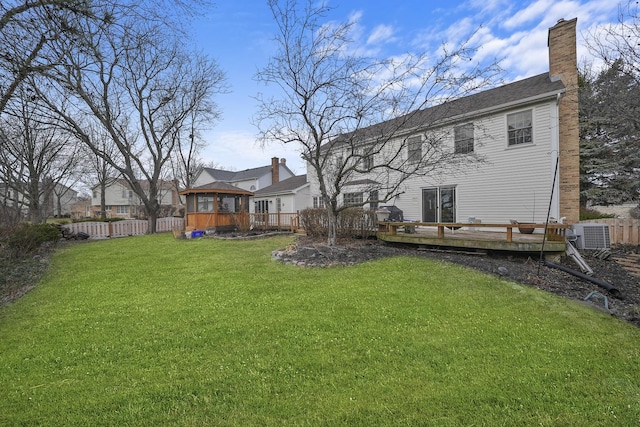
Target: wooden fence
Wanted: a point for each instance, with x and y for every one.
(128, 227)
(624, 231)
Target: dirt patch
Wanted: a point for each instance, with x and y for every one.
(617, 270)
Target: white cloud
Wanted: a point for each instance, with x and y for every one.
(381, 34)
(536, 11)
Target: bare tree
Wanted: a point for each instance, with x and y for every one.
(189, 143)
(38, 158)
(97, 172)
(136, 81)
(27, 31)
(347, 112)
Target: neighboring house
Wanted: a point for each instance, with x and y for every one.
(122, 202)
(57, 203)
(250, 179)
(82, 209)
(522, 131)
(290, 195)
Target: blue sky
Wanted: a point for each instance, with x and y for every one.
(239, 34)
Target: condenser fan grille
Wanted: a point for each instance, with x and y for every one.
(592, 236)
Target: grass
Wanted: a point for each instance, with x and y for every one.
(156, 331)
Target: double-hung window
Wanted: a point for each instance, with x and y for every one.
(520, 128)
(414, 149)
(463, 139)
(367, 162)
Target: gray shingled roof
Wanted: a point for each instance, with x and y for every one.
(467, 107)
(230, 176)
(286, 185)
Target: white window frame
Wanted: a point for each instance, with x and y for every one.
(520, 128)
(414, 149)
(353, 199)
(463, 136)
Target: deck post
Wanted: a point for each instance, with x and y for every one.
(509, 234)
(440, 231)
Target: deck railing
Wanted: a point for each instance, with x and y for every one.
(555, 232)
(275, 221)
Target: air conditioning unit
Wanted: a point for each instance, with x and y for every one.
(592, 236)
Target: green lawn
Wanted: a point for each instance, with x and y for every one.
(156, 331)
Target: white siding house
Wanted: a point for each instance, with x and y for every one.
(290, 196)
(249, 179)
(524, 135)
(122, 202)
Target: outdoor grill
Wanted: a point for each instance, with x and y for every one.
(395, 213)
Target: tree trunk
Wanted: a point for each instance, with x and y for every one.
(103, 200)
(152, 221)
(333, 227)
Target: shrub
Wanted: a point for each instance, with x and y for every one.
(314, 221)
(352, 222)
(241, 222)
(27, 238)
(99, 220)
(635, 212)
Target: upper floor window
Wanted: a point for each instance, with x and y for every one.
(367, 162)
(520, 128)
(318, 202)
(463, 139)
(414, 148)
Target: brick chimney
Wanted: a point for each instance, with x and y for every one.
(275, 170)
(563, 65)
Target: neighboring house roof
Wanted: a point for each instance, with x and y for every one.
(243, 175)
(520, 92)
(289, 185)
(217, 186)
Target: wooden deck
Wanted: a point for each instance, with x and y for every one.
(491, 237)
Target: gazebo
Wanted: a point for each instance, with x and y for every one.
(217, 206)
